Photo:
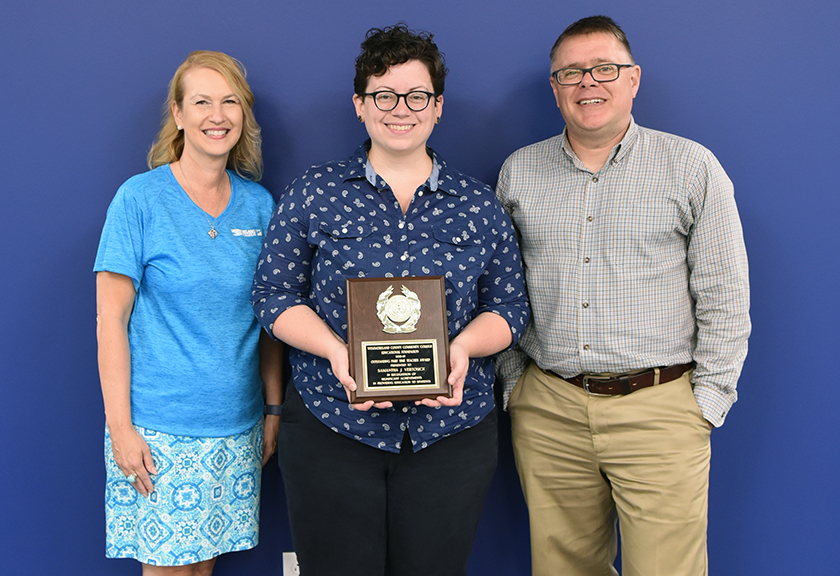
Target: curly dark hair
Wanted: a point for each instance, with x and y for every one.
(386, 47)
(593, 25)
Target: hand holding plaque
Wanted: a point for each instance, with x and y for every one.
(397, 338)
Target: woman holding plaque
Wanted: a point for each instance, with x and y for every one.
(392, 487)
(183, 383)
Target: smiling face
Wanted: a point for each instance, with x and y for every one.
(210, 115)
(597, 114)
(401, 131)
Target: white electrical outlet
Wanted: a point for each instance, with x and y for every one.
(290, 564)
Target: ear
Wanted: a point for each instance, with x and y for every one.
(555, 88)
(635, 78)
(439, 106)
(359, 103)
(176, 114)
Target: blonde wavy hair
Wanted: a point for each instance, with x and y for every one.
(246, 156)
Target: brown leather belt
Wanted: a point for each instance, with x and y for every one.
(627, 383)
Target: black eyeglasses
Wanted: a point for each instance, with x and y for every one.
(600, 73)
(387, 100)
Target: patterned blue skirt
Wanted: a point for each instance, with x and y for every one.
(206, 499)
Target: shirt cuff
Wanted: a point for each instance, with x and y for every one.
(510, 365)
(714, 405)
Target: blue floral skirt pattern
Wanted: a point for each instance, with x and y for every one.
(206, 499)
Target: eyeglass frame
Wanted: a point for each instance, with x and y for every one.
(589, 70)
(429, 97)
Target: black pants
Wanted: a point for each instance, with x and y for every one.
(359, 511)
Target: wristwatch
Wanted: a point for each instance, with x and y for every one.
(273, 409)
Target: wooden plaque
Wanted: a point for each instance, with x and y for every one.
(397, 338)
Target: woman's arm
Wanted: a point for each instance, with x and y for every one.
(271, 373)
(502, 311)
(487, 334)
(114, 303)
(301, 327)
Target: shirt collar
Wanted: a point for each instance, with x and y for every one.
(442, 178)
(618, 151)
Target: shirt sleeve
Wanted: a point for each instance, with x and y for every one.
(282, 277)
(501, 287)
(719, 284)
(510, 366)
(121, 244)
(510, 363)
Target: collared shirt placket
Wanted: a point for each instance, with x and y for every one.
(587, 334)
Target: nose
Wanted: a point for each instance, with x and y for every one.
(217, 116)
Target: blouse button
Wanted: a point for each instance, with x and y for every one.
(594, 178)
(402, 224)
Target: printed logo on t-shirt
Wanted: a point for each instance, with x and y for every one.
(240, 232)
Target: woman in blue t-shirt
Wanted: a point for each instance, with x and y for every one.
(184, 380)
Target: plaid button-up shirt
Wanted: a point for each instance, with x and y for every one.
(641, 264)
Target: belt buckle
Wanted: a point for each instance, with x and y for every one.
(587, 378)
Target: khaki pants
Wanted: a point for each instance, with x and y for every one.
(586, 461)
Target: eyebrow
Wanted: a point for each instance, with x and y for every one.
(206, 97)
(595, 61)
(415, 89)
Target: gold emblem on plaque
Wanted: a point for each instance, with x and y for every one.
(399, 314)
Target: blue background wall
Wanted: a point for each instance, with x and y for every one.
(81, 87)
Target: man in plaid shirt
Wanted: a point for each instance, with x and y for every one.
(637, 273)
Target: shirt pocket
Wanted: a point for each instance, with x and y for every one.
(460, 257)
(345, 248)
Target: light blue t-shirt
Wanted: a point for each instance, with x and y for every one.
(192, 334)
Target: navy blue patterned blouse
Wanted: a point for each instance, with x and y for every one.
(341, 220)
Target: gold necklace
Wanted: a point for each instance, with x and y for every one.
(212, 232)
